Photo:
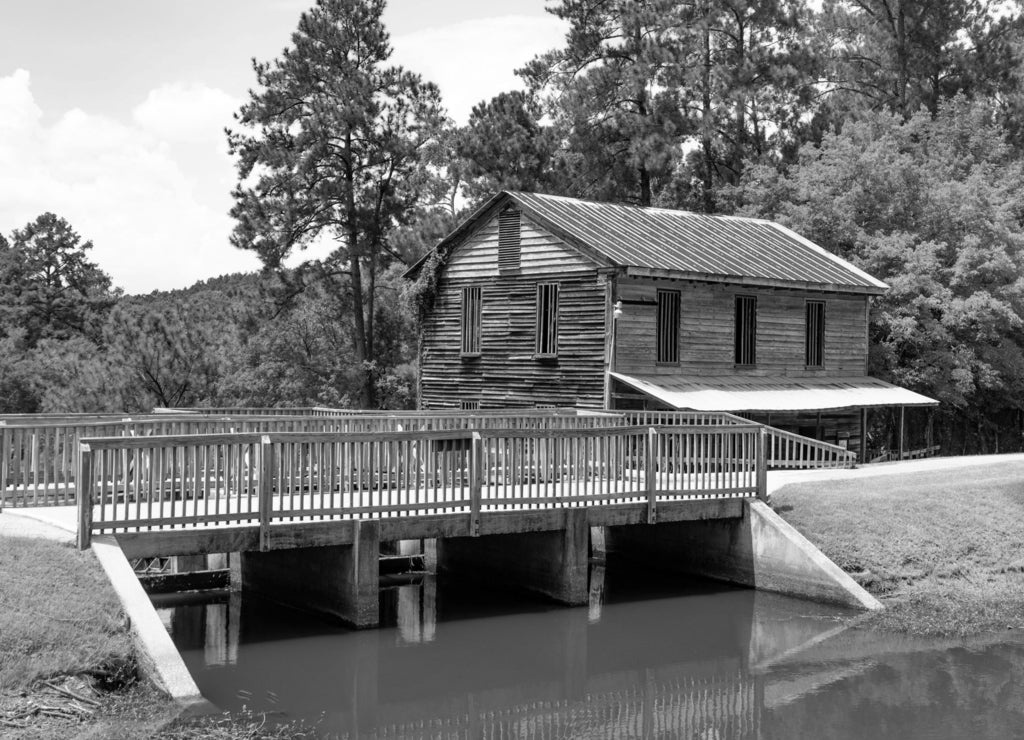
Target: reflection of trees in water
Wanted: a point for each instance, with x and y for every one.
(711, 707)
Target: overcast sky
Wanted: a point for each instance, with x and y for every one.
(112, 111)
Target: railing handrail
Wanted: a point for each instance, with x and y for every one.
(206, 440)
(809, 441)
(610, 431)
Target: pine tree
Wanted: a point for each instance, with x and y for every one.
(333, 145)
(48, 286)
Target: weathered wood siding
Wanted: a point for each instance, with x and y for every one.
(542, 253)
(706, 327)
(506, 374)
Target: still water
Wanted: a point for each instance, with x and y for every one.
(649, 658)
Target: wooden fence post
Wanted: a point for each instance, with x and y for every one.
(266, 489)
(85, 484)
(762, 463)
(5, 454)
(476, 482)
(651, 475)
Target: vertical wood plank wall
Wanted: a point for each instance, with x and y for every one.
(506, 374)
(707, 331)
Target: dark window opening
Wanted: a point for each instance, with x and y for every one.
(469, 405)
(746, 330)
(668, 326)
(814, 350)
(471, 305)
(547, 320)
(509, 236)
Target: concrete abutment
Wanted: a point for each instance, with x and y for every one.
(759, 550)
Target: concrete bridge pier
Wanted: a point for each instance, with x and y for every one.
(339, 581)
(553, 562)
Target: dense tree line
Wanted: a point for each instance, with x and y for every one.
(889, 132)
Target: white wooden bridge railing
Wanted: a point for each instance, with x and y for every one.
(144, 483)
(39, 458)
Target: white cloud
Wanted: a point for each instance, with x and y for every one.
(476, 59)
(120, 186)
(180, 112)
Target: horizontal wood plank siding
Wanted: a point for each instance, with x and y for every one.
(707, 315)
(507, 375)
(541, 253)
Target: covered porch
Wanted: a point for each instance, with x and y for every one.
(833, 410)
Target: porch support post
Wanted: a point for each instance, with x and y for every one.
(900, 443)
(864, 434)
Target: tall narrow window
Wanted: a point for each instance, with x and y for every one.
(746, 330)
(814, 352)
(668, 326)
(508, 240)
(547, 320)
(471, 299)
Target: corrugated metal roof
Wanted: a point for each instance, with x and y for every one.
(772, 393)
(701, 246)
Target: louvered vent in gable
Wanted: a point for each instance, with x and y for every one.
(508, 240)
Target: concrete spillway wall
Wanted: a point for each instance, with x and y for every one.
(759, 549)
(753, 548)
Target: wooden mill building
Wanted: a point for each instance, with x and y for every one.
(545, 301)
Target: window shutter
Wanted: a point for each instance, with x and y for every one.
(509, 240)
(814, 354)
(546, 344)
(746, 330)
(470, 320)
(668, 326)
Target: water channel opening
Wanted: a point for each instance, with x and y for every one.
(649, 656)
(448, 648)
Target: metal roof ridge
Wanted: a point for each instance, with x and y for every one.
(649, 209)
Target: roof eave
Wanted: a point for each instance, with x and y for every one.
(467, 225)
(585, 249)
(484, 212)
(707, 277)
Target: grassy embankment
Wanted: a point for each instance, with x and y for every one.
(943, 549)
(66, 658)
(67, 667)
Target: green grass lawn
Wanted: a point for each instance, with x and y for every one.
(944, 550)
(59, 615)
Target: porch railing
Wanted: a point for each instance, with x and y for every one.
(789, 451)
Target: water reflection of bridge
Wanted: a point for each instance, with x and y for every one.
(453, 667)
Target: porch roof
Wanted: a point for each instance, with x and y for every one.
(773, 393)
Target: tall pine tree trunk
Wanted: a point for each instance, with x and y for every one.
(705, 133)
(360, 336)
(740, 135)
